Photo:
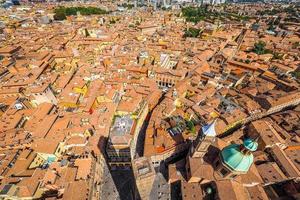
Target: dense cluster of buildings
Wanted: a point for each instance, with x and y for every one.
(215, 116)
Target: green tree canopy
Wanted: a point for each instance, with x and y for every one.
(60, 13)
(259, 47)
(191, 32)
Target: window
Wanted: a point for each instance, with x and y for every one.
(203, 146)
(217, 163)
(224, 172)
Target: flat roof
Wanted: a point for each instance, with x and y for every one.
(122, 125)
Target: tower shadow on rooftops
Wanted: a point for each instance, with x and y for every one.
(179, 161)
(122, 176)
(125, 184)
(181, 141)
(116, 183)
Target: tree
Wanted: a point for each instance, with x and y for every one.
(277, 56)
(62, 12)
(259, 47)
(195, 14)
(60, 16)
(296, 74)
(191, 127)
(126, 5)
(191, 32)
(112, 21)
(137, 23)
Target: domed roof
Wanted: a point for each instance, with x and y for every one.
(235, 159)
(250, 144)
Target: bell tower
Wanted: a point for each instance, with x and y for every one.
(206, 138)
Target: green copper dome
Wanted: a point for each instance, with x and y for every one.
(250, 144)
(235, 159)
